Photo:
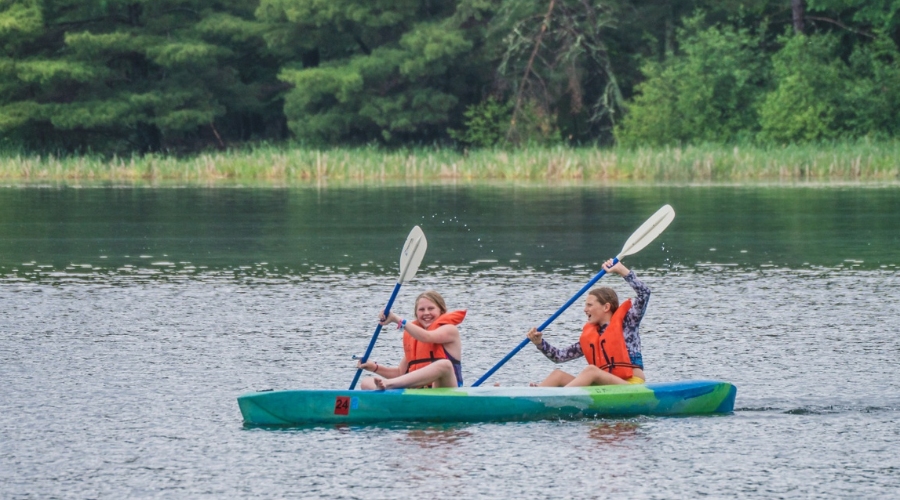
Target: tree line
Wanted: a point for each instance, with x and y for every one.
(125, 76)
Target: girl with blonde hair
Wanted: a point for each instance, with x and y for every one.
(431, 348)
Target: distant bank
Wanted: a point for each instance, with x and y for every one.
(837, 162)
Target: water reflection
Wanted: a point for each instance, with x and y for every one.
(427, 454)
(607, 434)
(438, 436)
(476, 228)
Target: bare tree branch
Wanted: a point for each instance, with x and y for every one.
(842, 25)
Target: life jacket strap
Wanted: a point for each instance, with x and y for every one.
(609, 367)
(432, 360)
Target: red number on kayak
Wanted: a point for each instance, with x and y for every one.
(342, 405)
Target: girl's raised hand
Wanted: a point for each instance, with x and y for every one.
(619, 268)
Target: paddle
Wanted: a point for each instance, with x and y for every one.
(410, 258)
(648, 232)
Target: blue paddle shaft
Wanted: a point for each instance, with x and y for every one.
(545, 324)
(387, 310)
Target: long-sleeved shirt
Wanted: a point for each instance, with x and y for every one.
(629, 328)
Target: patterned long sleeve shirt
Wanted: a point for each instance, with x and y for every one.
(629, 328)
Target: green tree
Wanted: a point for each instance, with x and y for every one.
(809, 94)
(485, 124)
(576, 62)
(873, 96)
(556, 69)
(133, 75)
(386, 70)
(21, 24)
(705, 93)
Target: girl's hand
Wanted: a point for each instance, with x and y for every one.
(535, 336)
(368, 366)
(391, 318)
(619, 268)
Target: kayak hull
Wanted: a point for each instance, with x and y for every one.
(485, 404)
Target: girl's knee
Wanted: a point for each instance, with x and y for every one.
(591, 369)
(443, 365)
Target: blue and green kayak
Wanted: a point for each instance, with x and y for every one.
(485, 404)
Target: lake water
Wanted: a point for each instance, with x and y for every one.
(132, 318)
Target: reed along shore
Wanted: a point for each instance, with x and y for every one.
(837, 162)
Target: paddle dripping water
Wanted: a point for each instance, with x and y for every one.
(120, 378)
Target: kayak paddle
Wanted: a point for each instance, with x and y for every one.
(410, 258)
(648, 232)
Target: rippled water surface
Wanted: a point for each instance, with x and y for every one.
(132, 318)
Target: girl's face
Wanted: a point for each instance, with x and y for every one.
(426, 312)
(596, 312)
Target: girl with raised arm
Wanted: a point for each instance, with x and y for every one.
(609, 340)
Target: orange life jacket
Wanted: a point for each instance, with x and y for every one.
(608, 351)
(421, 354)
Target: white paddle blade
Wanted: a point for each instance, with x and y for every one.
(412, 254)
(648, 231)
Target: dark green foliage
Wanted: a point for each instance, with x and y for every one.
(121, 76)
(485, 123)
(874, 96)
(387, 70)
(706, 93)
(859, 17)
(140, 75)
(556, 65)
(809, 96)
(820, 96)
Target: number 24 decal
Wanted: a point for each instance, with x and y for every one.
(342, 405)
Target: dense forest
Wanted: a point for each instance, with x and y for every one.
(126, 76)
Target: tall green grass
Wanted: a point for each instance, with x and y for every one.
(841, 161)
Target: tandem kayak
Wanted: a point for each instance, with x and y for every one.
(485, 404)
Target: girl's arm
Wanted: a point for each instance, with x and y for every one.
(384, 370)
(443, 335)
(561, 355)
(639, 304)
(552, 353)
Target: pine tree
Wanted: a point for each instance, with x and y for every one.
(385, 70)
(132, 75)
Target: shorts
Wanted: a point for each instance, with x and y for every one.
(635, 380)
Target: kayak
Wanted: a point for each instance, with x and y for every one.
(485, 404)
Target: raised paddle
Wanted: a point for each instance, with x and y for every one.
(648, 232)
(410, 258)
